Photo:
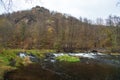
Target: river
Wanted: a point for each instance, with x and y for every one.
(92, 66)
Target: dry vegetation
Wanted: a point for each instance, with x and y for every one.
(40, 28)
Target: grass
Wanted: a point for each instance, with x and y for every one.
(4, 65)
(40, 53)
(7, 54)
(11, 53)
(68, 58)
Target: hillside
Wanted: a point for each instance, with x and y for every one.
(40, 28)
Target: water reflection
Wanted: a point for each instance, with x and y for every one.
(65, 71)
(92, 66)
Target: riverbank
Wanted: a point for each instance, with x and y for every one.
(9, 59)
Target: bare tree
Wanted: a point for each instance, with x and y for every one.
(7, 4)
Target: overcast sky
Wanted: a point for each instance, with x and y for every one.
(91, 9)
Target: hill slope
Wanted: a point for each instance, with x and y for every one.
(40, 28)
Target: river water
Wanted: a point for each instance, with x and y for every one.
(92, 66)
(109, 59)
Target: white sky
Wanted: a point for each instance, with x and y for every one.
(91, 9)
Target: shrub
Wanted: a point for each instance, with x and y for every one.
(68, 58)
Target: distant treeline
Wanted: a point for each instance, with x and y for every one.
(40, 28)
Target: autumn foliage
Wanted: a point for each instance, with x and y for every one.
(40, 28)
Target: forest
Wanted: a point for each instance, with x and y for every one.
(40, 28)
